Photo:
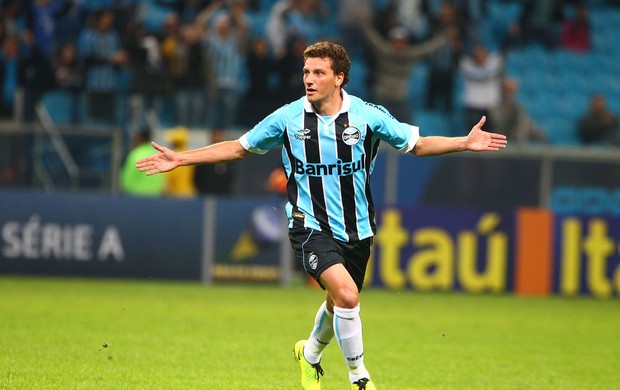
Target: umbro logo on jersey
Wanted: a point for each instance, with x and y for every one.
(302, 134)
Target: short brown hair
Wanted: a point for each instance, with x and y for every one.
(335, 52)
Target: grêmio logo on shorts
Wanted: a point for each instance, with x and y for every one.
(340, 168)
(313, 261)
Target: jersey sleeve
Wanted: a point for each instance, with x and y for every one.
(399, 135)
(267, 134)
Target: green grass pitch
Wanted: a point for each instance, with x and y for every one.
(62, 333)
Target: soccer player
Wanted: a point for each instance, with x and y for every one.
(330, 141)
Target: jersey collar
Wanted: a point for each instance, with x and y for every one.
(346, 103)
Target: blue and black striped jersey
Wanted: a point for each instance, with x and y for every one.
(328, 161)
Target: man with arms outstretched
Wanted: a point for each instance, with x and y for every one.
(330, 141)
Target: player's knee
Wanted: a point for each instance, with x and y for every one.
(346, 298)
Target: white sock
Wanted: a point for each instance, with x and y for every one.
(322, 334)
(348, 331)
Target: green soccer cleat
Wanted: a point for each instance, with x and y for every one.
(310, 373)
(363, 383)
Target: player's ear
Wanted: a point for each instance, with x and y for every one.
(339, 79)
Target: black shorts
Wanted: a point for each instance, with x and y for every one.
(318, 251)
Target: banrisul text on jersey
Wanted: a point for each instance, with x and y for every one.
(340, 168)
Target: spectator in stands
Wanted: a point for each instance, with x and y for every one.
(307, 19)
(188, 9)
(170, 40)
(236, 10)
(227, 51)
(310, 20)
(384, 18)
(540, 21)
(9, 70)
(447, 17)
(290, 85)
(15, 152)
(71, 21)
(149, 77)
(36, 75)
(137, 184)
(412, 15)
(443, 68)
(598, 126)
(473, 14)
(181, 183)
(42, 22)
(194, 78)
(101, 54)
(132, 184)
(259, 99)
(276, 29)
(576, 31)
(511, 119)
(69, 77)
(348, 27)
(12, 18)
(483, 74)
(395, 58)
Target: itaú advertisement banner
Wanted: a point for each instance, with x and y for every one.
(526, 251)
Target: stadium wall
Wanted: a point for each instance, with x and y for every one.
(528, 251)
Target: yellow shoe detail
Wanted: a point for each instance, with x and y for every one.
(363, 384)
(310, 373)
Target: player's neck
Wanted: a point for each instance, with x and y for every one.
(329, 107)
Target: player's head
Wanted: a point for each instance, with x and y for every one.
(340, 62)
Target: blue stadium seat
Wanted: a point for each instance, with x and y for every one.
(561, 131)
(58, 104)
(258, 22)
(357, 78)
(417, 84)
(432, 123)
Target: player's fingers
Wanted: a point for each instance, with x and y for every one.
(158, 146)
(497, 145)
(144, 163)
(481, 122)
(148, 160)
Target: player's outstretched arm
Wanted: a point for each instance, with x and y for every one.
(167, 159)
(477, 140)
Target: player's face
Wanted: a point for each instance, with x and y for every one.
(320, 81)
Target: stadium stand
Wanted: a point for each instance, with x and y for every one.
(554, 84)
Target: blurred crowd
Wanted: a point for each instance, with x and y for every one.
(192, 62)
(220, 64)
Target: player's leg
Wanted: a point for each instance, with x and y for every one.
(343, 298)
(307, 245)
(321, 335)
(323, 330)
(308, 352)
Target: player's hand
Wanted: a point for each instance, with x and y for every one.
(164, 161)
(479, 140)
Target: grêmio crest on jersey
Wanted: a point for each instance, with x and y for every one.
(351, 135)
